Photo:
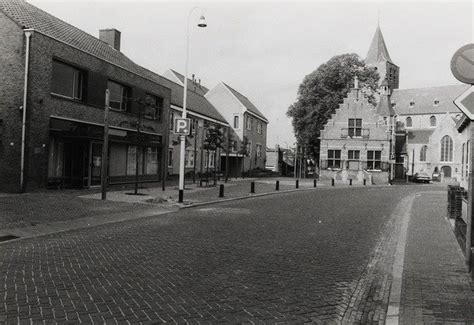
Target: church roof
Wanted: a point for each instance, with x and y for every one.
(430, 100)
(378, 50)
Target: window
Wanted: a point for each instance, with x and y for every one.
(189, 158)
(446, 149)
(258, 150)
(119, 96)
(259, 127)
(423, 153)
(233, 147)
(171, 120)
(334, 158)
(67, 80)
(249, 148)
(209, 159)
(56, 158)
(374, 159)
(132, 160)
(154, 110)
(433, 121)
(355, 127)
(353, 155)
(462, 160)
(412, 103)
(249, 123)
(170, 158)
(409, 122)
(436, 102)
(236, 121)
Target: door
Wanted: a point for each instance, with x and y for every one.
(95, 164)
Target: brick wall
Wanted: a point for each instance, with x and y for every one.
(11, 98)
(42, 104)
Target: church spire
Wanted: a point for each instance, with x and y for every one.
(378, 50)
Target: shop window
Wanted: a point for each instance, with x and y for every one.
(189, 158)
(56, 158)
(68, 80)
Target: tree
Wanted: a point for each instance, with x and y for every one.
(214, 140)
(322, 91)
(244, 151)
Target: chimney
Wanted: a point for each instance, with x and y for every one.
(111, 36)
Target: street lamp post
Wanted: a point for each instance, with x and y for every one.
(182, 151)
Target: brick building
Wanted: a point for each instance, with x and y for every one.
(57, 76)
(203, 116)
(356, 141)
(247, 123)
(421, 125)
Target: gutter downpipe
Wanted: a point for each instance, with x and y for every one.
(28, 34)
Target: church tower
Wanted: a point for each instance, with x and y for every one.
(379, 58)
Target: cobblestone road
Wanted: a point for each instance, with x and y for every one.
(317, 256)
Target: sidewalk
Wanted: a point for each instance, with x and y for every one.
(193, 194)
(50, 211)
(436, 287)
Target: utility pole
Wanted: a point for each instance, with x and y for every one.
(227, 156)
(105, 147)
(136, 149)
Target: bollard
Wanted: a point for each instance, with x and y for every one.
(297, 183)
(314, 183)
(180, 197)
(277, 186)
(252, 187)
(332, 182)
(221, 190)
(350, 181)
(365, 181)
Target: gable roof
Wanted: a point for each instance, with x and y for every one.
(424, 100)
(194, 102)
(192, 85)
(245, 102)
(29, 16)
(378, 49)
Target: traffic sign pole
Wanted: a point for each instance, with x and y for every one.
(462, 67)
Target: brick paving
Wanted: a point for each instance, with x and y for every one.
(291, 258)
(30, 209)
(436, 287)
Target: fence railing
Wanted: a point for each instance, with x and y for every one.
(354, 164)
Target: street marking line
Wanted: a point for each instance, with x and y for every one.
(394, 300)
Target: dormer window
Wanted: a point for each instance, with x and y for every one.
(412, 103)
(435, 102)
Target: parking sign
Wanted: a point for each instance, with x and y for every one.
(182, 126)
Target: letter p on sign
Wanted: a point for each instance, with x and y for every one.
(182, 126)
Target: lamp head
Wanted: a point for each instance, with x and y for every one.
(202, 22)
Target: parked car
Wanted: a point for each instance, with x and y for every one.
(422, 177)
(436, 177)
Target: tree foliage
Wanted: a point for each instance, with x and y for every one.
(322, 91)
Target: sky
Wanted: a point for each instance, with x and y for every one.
(265, 49)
